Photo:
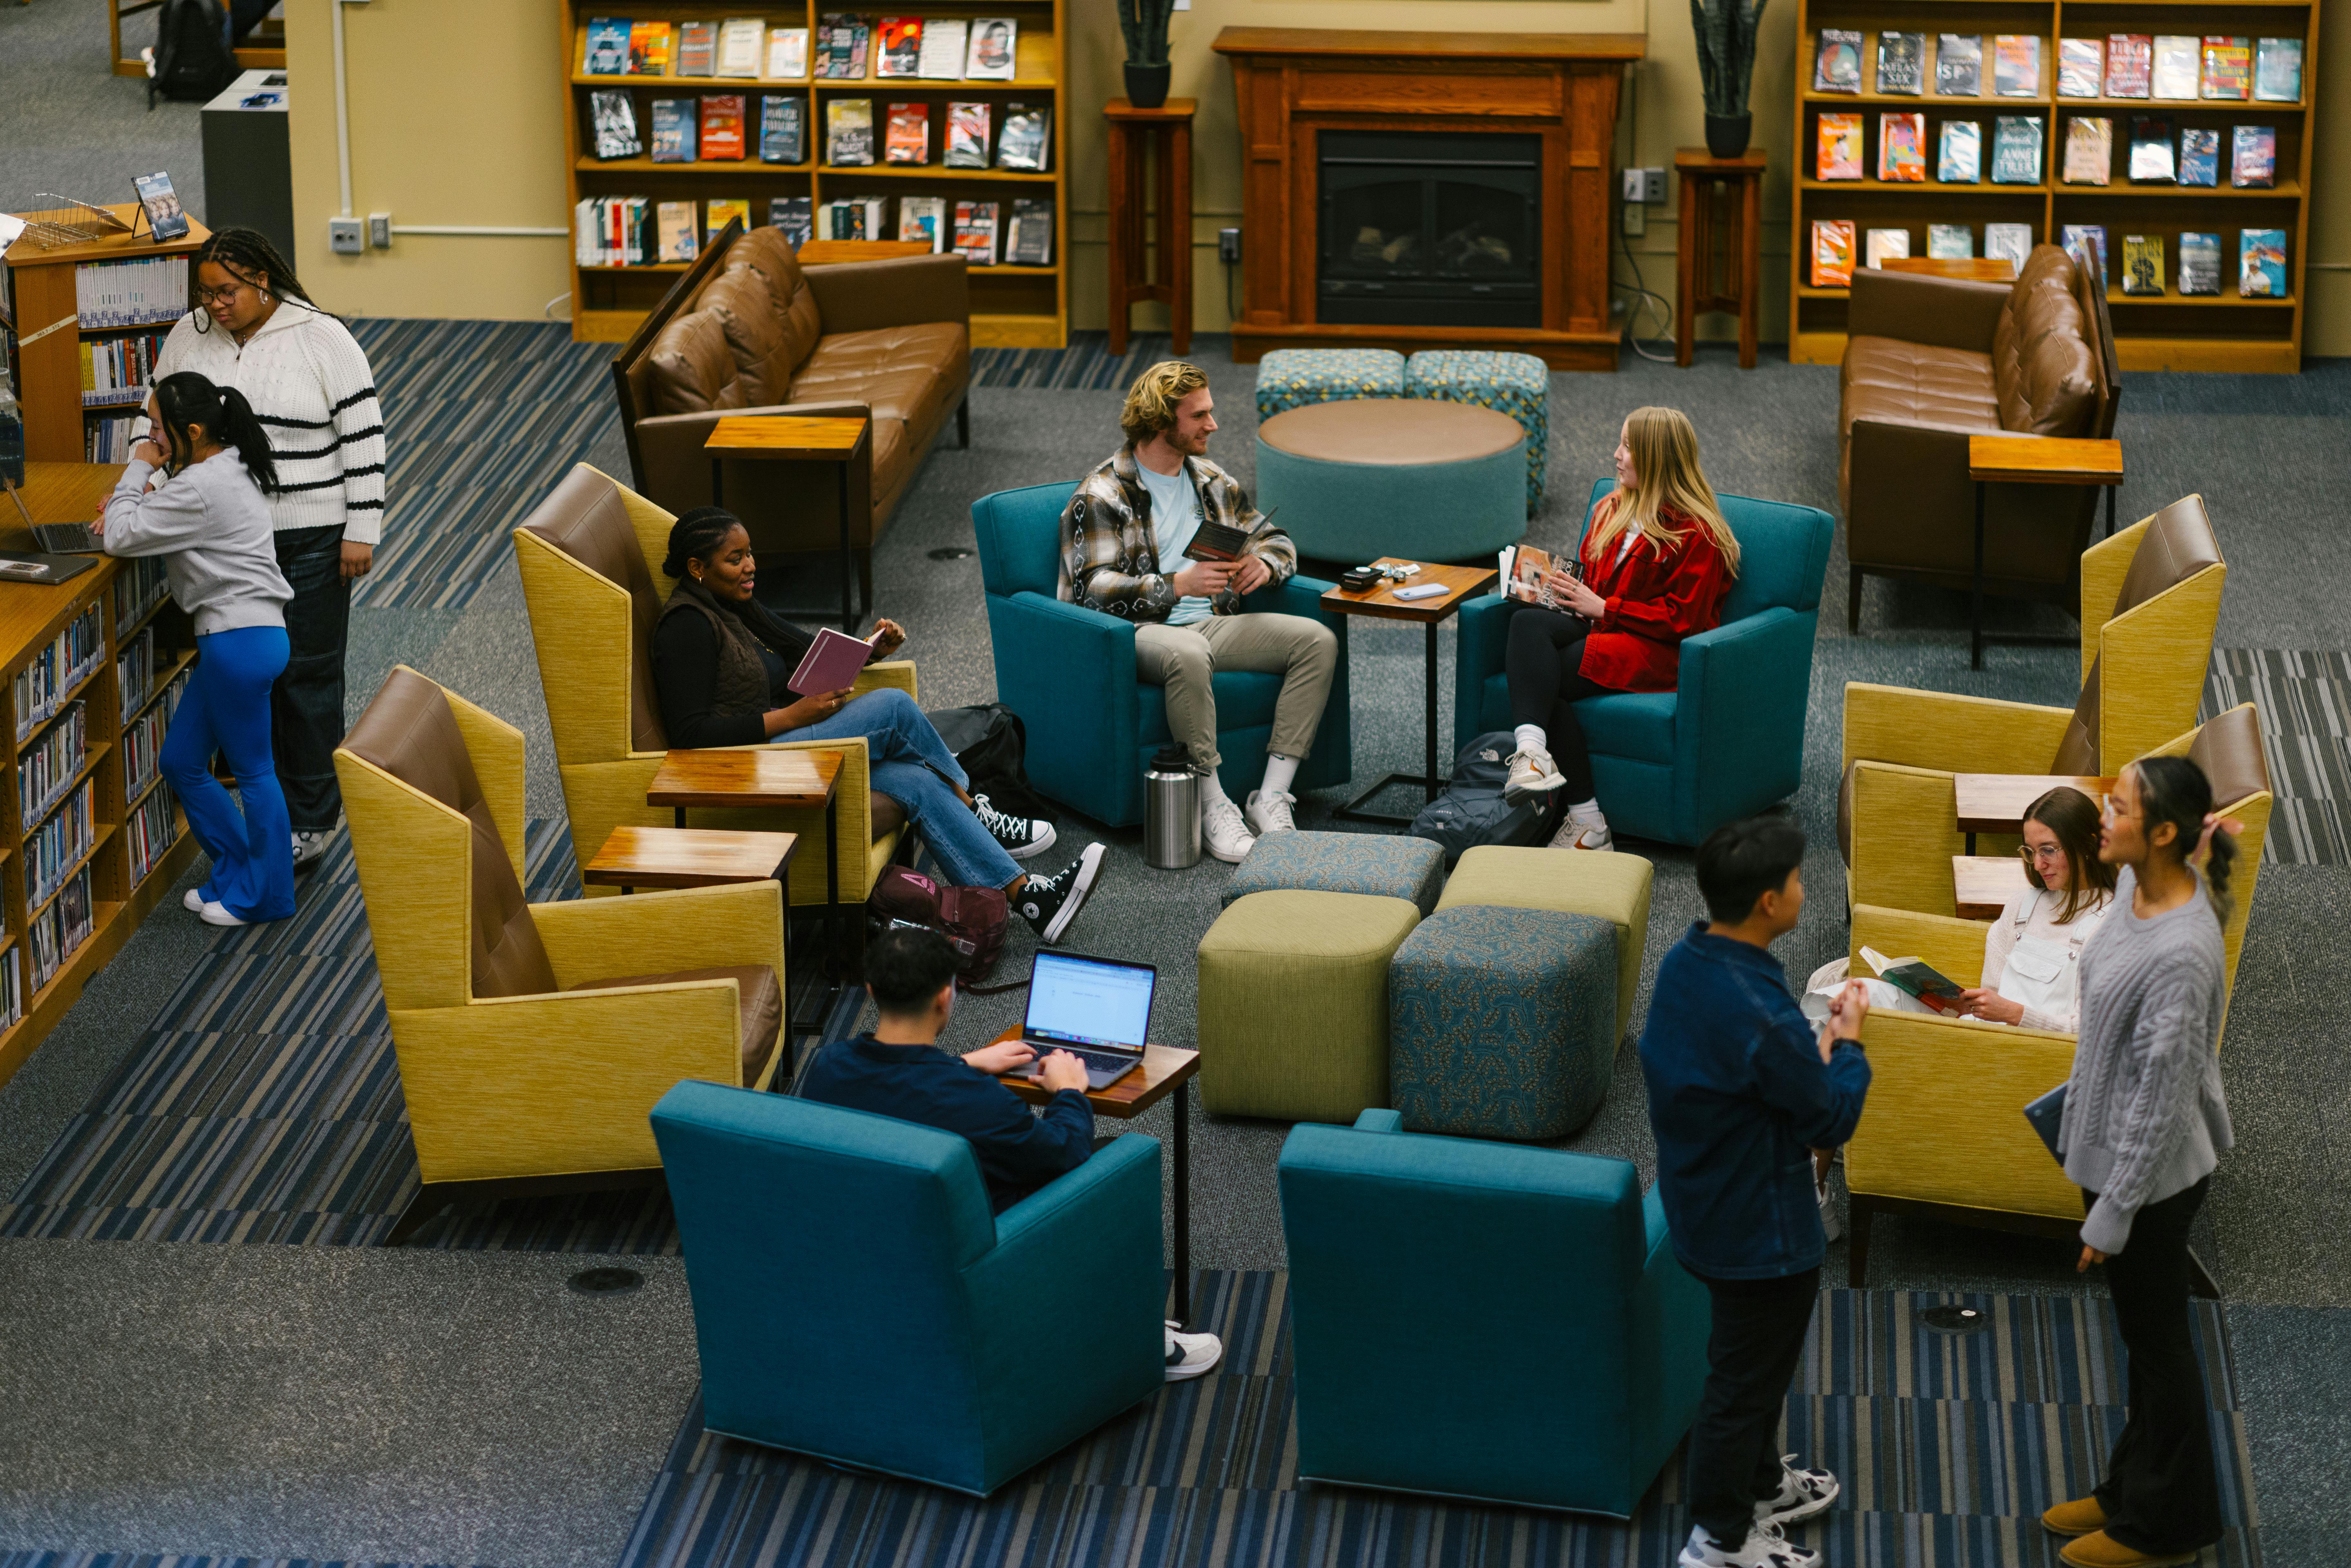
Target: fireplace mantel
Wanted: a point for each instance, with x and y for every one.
(1292, 83)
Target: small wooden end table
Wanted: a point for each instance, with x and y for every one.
(2033, 460)
(1165, 1070)
(1968, 269)
(688, 857)
(845, 443)
(1981, 885)
(759, 776)
(1719, 255)
(1133, 133)
(1381, 604)
(1996, 802)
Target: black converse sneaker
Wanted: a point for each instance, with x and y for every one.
(1050, 904)
(1019, 837)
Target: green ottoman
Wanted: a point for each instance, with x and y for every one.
(1408, 477)
(1515, 385)
(1295, 1005)
(1613, 886)
(1382, 866)
(1501, 1022)
(1293, 378)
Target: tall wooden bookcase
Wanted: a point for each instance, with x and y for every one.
(2173, 331)
(1012, 306)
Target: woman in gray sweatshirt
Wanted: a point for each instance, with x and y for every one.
(207, 518)
(2145, 1125)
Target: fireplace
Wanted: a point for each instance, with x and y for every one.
(1429, 228)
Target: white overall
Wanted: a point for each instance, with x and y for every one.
(2039, 974)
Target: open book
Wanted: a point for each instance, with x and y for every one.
(831, 663)
(1524, 568)
(1916, 977)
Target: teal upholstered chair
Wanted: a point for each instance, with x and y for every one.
(1069, 673)
(1674, 765)
(1484, 1321)
(854, 1301)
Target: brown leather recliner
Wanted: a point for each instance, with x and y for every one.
(1933, 361)
(748, 332)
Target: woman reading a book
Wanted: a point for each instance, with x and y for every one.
(1657, 560)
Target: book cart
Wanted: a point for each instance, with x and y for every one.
(1011, 307)
(2223, 332)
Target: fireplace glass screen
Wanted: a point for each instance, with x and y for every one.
(1431, 228)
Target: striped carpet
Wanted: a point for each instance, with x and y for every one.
(1948, 1448)
(1087, 365)
(2306, 703)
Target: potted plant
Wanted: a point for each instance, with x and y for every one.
(1144, 22)
(1726, 64)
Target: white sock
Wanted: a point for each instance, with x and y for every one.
(1531, 738)
(1211, 790)
(1279, 772)
(1588, 812)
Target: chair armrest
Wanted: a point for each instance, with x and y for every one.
(1482, 634)
(1301, 595)
(1949, 732)
(661, 931)
(1905, 831)
(1943, 312)
(1739, 721)
(1953, 946)
(1069, 673)
(898, 672)
(906, 291)
(1093, 1189)
(1379, 1121)
(1944, 1121)
(1909, 504)
(2105, 565)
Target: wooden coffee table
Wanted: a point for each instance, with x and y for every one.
(688, 857)
(785, 437)
(1981, 885)
(1996, 802)
(2033, 460)
(1381, 604)
(761, 776)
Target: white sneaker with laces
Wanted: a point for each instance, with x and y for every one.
(1190, 1354)
(1804, 1494)
(1223, 831)
(1831, 1224)
(218, 914)
(1268, 811)
(1579, 835)
(1532, 772)
(1764, 1547)
(1019, 837)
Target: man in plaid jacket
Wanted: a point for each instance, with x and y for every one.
(1140, 509)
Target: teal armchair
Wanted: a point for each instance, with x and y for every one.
(1484, 1321)
(854, 1299)
(1674, 765)
(1069, 673)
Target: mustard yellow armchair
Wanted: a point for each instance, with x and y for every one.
(530, 1062)
(2143, 666)
(588, 580)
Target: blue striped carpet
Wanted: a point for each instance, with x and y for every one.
(1086, 364)
(2306, 703)
(170, 1560)
(1948, 1448)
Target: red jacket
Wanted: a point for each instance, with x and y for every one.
(1657, 595)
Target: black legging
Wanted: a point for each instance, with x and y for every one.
(1545, 659)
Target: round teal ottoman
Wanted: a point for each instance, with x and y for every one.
(1377, 865)
(1515, 385)
(1294, 377)
(1418, 479)
(1502, 1022)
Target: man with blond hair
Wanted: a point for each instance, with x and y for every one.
(1123, 541)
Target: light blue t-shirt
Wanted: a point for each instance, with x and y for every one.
(1175, 518)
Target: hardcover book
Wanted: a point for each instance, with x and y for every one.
(2255, 161)
(718, 212)
(1902, 147)
(1958, 65)
(649, 48)
(2130, 62)
(2016, 150)
(2150, 150)
(1951, 242)
(974, 231)
(944, 40)
(721, 127)
(907, 138)
(1836, 62)
(967, 135)
(1901, 62)
(787, 54)
(783, 130)
(2013, 241)
(2090, 151)
(1917, 978)
(924, 219)
(674, 130)
(697, 48)
(2081, 66)
(2228, 75)
(849, 131)
(608, 46)
(2016, 65)
(1880, 243)
(679, 241)
(741, 40)
(2260, 263)
(615, 117)
(2142, 264)
(840, 41)
(1832, 253)
(1839, 154)
(1026, 140)
(2090, 238)
(1029, 240)
(991, 57)
(899, 53)
(2277, 75)
(2200, 156)
(1959, 161)
(795, 216)
(2175, 66)
(2199, 262)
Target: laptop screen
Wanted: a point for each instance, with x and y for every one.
(1089, 1001)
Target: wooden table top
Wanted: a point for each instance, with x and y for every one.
(53, 493)
(1698, 159)
(124, 247)
(1981, 885)
(1971, 269)
(688, 857)
(785, 435)
(1460, 582)
(1163, 1067)
(1996, 802)
(2044, 460)
(748, 776)
(1174, 109)
(834, 252)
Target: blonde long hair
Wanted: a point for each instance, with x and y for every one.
(1666, 474)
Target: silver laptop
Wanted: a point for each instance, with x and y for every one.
(1097, 1010)
(68, 539)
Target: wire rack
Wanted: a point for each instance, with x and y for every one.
(56, 220)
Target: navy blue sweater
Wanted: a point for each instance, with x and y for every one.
(1739, 1098)
(1018, 1153)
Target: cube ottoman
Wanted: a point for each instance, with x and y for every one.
(1612, 885)
(1382, 866)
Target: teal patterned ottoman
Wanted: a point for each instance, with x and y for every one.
(1293, 378)
(1515, 385)
(1502, 1022)
(1377, 864)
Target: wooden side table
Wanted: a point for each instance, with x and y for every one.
(1133, 132)
(1719, 255)
(1381, 604)
(1981, 885)
(2033, 460)
(762, 776)
(1996, 802)
(688, 857)
(846, 444)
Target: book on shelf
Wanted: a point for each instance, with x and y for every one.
(991, 56)
(614, 116)
(1951, 242)
(697, 48)
(1026, 140)
(675, 129)
(855, 218)
(2013, 241)
(906, 133)
(152, 828)
(966, 136)
(787, 54)
(741, 41)
(783, 129)
(166, 219)
(849, 131)
(60, 929)
(2016, 150)
(924, 219)
(2252, 163)
(60, 665)
(2016, 65)
(720, 210)
(1901, 59)
(649, 43)
(1958, 65)
(795, 216)
(2200, 156)
(1837, 61)
(46, 770)
(841, 39)
(1832, 253)
(680, 239)
(117, 370)
(2090, 149)
(2199, 262)
(2151, 161)
(1960, 159)
(2260, 263)
(2130, 59)
(140, 585)
(945, 42)
(974, 231)
(1838, 154)
(2228, 75)
(2090, 239)
(2142, 264)
(2081, 66)
(11, 994)
(613, 231)
(1880, 245)
(141, 292)
(52, 848)
(1028, 242)
(109, 440)
(898, 51)
(1902, 147)
(721, 127)
(2277, 70)
(2175, 66)
(607, 54)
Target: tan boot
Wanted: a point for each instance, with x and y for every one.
(2079, 1517)
(2099, 1550)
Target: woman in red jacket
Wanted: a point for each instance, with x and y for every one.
(1657, 558)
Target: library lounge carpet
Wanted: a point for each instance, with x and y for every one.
(211, 1359)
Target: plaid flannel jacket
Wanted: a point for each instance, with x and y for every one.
(1110, 561)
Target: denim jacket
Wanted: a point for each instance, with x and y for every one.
(1110, 561)
(1739, 1098)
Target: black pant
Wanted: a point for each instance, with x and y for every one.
(305, 705)
(1543, 660)
(2161, 1494)
(1751, 1355)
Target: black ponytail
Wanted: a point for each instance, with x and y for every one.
(2174, 789)
(186, 399)
(697, 536)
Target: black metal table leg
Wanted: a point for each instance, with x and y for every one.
(1430, 780)
(1975, 613)
(832, 870)
(2111, 492)
(717, 481)
(1183, 1202)
(848, 573)
(1430, 777)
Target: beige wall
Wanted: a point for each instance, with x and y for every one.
(456, 111)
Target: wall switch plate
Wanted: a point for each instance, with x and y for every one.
(1634, 185)
(1653, 184)
(1636, 218)
(1228, 244)
(379, 230)
(343, 236)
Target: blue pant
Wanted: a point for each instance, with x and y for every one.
(227, 710)
(909, 761)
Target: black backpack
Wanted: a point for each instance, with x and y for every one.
(990, 742)
(193, 61)
(1472, 810)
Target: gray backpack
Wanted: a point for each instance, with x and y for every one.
(1472, 811)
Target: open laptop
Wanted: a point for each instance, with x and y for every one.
(1098, 1009)
(68, 539)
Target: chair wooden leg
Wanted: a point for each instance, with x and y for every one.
(1856, 1241)
(426, 1204)
(865, 582)
(1853, 599)
(963, 422)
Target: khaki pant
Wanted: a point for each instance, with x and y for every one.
(1183, 659)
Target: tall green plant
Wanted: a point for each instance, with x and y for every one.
(1726, 51)
(1144, 22)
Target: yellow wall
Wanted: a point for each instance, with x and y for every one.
(456, 111)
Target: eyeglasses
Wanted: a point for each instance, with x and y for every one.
(2041, 854)
(219, 295)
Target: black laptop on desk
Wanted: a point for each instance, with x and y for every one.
(1097, 1010)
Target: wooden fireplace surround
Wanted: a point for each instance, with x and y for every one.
(1292, 83)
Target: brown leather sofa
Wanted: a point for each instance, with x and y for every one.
(747, 331)
(1933, 361)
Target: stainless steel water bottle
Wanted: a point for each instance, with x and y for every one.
(1171, 810)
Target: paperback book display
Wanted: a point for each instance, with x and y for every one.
(1026, 139)
(2175, 66)
(1951, 242)
(739, 46)
(2016, 66)
(1837, 64)
(2078, 239)
(1902, 147)
(1832, 253)
(2016, 150)
(2081, 66)
(614, 115)
(2260, 263)
(2142, 264)
(2150, 150)
(2089, 151)
(1901, 62)
(718, 213)
(924, 219)
(1839, 152)
(2130, 59)
(2228, 75)
(945, 42)
(849, 132)
(796, 217)
(783, 130)
(907, 136)
(674, 130)
(1960, 159)
(1030, 241)
(855, 218)
(1881, 244)
(1958, 65)
(722, 128)
(974, 231)
(2254, 164)
(697, 48)
(967, 135)
(2277, 70)
(2013, 241)
(2199, 262)
(2200, 156)
(681, 238)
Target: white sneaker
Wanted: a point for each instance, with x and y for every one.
(1268, 811)
(1190, 1354)
(1579, 835)
(1765, 1547)
(1223, 831)
(1532, 772)
(1019, 837)
(1804, 1494)
(193, 901)
(218, 915)
(1831, 1224)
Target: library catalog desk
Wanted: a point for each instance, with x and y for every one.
(111, 902)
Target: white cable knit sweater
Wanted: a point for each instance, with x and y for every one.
(309, 384)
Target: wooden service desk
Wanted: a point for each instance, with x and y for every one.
(1996, 802)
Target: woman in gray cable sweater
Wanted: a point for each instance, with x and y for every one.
(2145, 1125)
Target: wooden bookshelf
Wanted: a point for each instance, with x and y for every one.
(1012, 306)
(2171, 331)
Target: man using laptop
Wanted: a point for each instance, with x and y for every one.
(899, 1070)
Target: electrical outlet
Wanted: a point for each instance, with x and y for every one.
(379, 230)
(343, 236)
(1636, 218)
(1228, 244)
(1653, 184)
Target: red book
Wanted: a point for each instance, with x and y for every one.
(722, 126)
(907, 137)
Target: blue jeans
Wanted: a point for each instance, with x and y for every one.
(227, 710)
(913, 767)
